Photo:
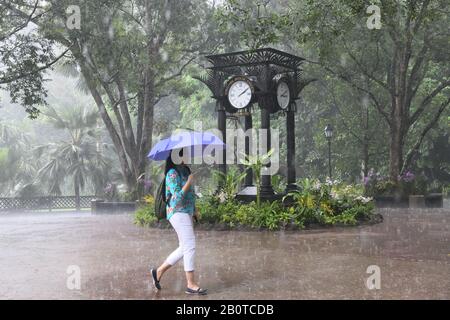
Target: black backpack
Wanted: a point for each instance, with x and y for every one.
(161, 201)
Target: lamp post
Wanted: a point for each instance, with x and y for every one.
(329, 134)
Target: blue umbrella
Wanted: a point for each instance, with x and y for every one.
(182, 140)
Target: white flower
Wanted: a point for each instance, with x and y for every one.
(335, 195)
(222, 197)
(363, 199)
(330, 182)
(317, 185)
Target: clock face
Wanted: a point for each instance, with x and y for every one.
(283, 95)
(240, 94)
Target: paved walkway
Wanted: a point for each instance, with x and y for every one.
(412, 250)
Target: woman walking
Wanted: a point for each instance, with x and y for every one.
(180, 198)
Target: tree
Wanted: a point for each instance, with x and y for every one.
(17, 164)
(129, 54)
(24, 56)
(77, 157)
(403, 67)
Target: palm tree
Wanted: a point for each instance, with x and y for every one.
(78, 156)
(17, 164)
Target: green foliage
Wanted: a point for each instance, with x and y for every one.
(128, 196)
(24, 57)
(256, 163)
(407, 184)
(125, 44)
(76, 157)
(356, 85)
(330, 202)
(278, 183)
(315, 203)
(253, 22)
(128, 54)
(145, 216)
(3, 156)
(229, 182)
(446, 190)
(212, 209)
(267, 215)
(18, 165)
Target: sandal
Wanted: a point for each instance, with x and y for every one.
(199, 291)
(155, 279)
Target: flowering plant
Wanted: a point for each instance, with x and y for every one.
(407, 177)
(407, 183)
(149, 199)
(377, 184)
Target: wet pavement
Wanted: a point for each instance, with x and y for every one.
(411, 248)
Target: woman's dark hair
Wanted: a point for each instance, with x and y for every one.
(169, 164)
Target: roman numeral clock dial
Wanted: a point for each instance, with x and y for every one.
(283, 95)
(239, 92)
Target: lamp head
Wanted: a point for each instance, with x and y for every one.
(328, 131)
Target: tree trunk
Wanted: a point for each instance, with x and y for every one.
(145, 113)
(147, 125)
(127, 173)
(399, 116)
(365, 142)
(77, 193)
(365, 164)
(395, 151)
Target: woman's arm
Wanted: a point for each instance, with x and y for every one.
(189, 182)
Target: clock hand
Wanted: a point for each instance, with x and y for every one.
(243, 92)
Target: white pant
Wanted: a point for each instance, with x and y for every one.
(182, 223)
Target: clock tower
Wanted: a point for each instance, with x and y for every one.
(269, 78)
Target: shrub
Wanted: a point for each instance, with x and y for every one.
(213, 211)
(128, 196)
(315, 203)
(269, 215)
(326, 203)
(330, 203)
(145, 214)
(376, 184)
(229, 181)
(408, 183)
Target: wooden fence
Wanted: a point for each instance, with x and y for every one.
(48, 203)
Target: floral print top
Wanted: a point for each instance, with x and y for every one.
(177, 200)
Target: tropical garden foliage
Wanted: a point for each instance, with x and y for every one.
(315, 203)
(385, 91)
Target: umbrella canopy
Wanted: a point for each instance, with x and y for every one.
(182, 140)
